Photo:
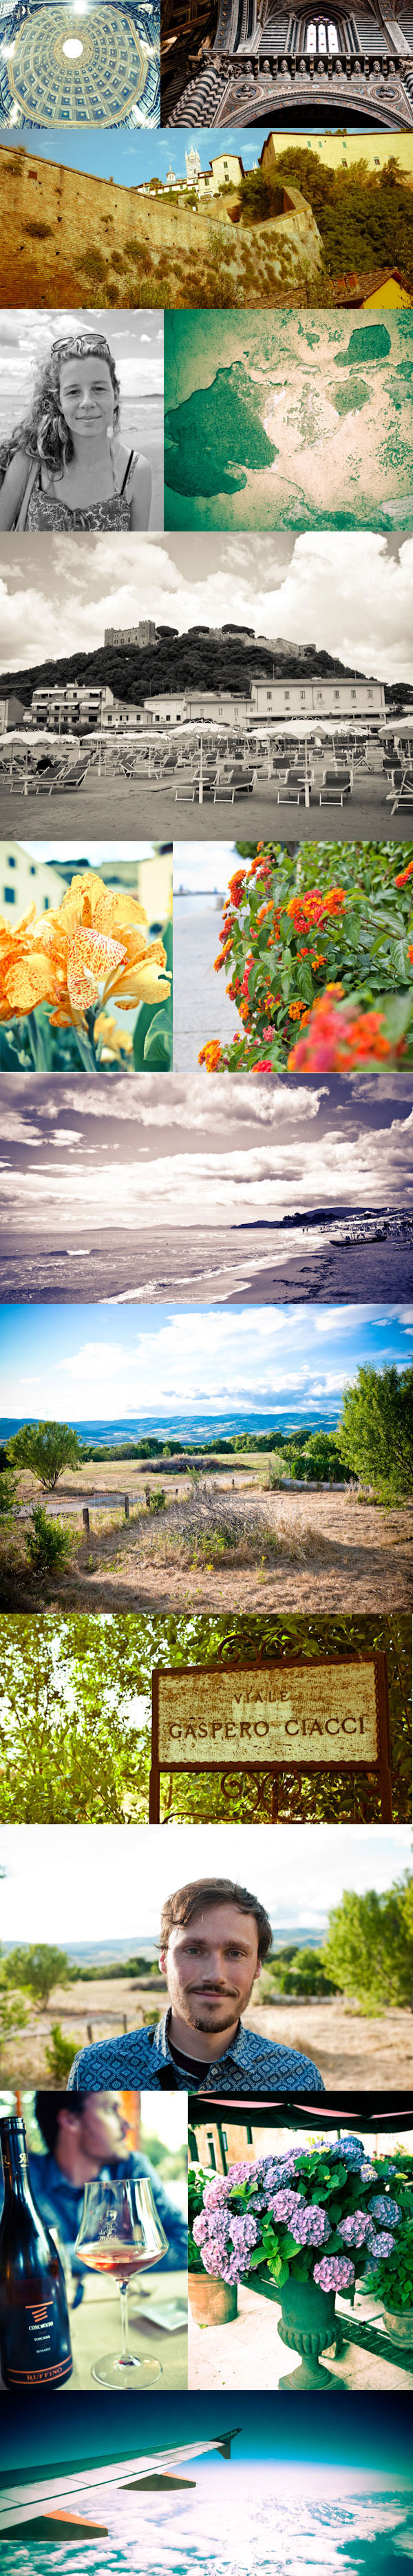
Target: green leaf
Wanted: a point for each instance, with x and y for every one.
(399, 956)
(157, 1050)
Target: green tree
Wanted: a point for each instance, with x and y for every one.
(301, 1972)
(38, 1968)
(369, 1947)
(375, 1435)
(45, 1447)
(75, 1707)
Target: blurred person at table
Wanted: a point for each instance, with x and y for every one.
(215, 1938)
(86, 2136)
(64, 466)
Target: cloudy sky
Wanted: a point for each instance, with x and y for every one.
(120, 1880)
(351, 593)
(74, 1364)
(79, 1157)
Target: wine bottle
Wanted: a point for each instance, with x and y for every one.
(35, 2347)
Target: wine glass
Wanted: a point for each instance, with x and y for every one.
(120, 2233)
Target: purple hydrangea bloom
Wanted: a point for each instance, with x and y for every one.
(215, 2191)
(243, 2232)
(200, 2229)
(214, 2255)
(356, 2230)
(385, 2209)
(384, 2245)
(238, 2174)
(367, 2173)
(335, 2272)
(216, 2225)
(283, 2205)
(310, 2226)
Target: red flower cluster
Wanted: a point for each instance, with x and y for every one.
(236, 887)
(310, 908)
(337, 1040)
(406, 873)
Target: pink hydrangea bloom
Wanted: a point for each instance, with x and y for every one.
(335, 2272)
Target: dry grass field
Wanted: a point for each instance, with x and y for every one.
(349, 2050)
(225, 1544)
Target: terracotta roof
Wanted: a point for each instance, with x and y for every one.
(355, 286)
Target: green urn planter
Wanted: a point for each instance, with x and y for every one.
(306, 2325)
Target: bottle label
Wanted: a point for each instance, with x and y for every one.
(38, 2361)
(55, 2370)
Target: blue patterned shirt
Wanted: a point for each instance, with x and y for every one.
(142, 2058)
(61, 2202)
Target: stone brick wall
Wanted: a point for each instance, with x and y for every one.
(66, 236)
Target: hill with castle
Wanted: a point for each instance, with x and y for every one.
(204, 657)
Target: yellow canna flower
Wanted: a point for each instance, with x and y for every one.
(93, 947)
(115, 1042)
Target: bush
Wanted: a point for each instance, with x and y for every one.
(298, 929)
(59, 2054)
(48, 1544)
(157, 1501)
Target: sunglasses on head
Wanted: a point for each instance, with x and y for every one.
(83, 346)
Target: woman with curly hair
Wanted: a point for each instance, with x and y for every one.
(64, 466)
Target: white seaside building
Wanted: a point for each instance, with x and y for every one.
(267, 700)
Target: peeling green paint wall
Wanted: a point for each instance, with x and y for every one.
(288, 419)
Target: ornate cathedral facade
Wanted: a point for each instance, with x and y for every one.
(251, 62)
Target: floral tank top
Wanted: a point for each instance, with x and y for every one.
(46, 511)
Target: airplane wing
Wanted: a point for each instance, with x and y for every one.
(22, 2499)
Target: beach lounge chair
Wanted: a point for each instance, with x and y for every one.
(67, 781)
(335, 785)
(403, 800)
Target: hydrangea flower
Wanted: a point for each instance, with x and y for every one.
(283, 2205)
(356, 2230)
(335, 2272)
(385, 2209)
(215, 2191)
(200, 2229)
(217, 2226)
(215, 2257)
(243, 2232)
(384, 2245)
(350, 2149)
(310, 2226)
(239, 2174)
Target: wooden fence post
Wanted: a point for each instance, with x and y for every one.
(85, 1516)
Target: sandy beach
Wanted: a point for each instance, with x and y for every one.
(238, 1266)
(128, 806)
